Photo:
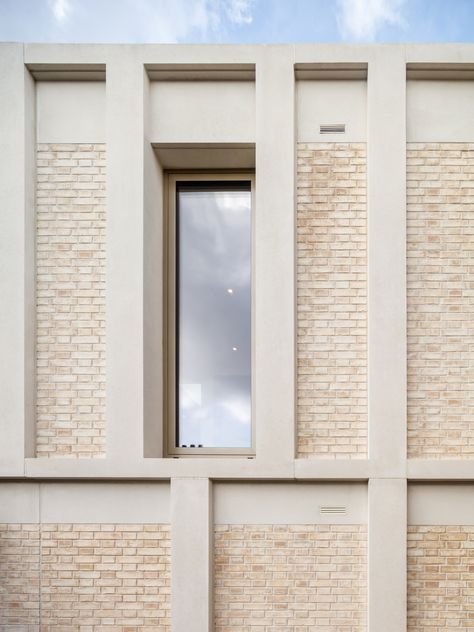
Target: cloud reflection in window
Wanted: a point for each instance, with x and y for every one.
(214, 245)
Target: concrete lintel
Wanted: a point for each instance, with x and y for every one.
(439, 53)
(387, 602)
(441, 504)
(290, 503)
(191, 555)
(19, 502)
(332, 469)
(439, 470)
(149, 54)
(94, 502)
(156, 468)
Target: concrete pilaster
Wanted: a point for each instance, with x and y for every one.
(191, 554)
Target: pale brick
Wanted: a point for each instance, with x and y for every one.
(440, 293)
(440, 578)
(331, 300)
(70, 300)
(290, 578)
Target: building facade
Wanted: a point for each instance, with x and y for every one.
(349, 503)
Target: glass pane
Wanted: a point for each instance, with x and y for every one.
(214, 298)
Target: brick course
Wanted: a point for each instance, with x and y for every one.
(88, 577)
(440, 300)
(332, 300)
(440, 578)
(19, 576)
(70, 299)
(277, 578)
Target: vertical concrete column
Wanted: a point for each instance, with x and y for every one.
(153, 263)
(191, 554)
(124, 278)
(387, 260)
(17, 316)
(274, 239)
(387, 555)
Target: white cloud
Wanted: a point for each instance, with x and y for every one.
(239, 11)
(60, 9)
(363, 19)
(179, 20)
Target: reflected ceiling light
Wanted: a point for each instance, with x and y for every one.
(230, 291)
(234, 348)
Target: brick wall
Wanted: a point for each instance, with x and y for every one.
(70, 296)
(440, 578)
(332, 300)
(276, 578)
(440, 287)
(90, 577)
(19, 576)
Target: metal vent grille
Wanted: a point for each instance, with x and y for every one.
(332, 509)
(332, 128)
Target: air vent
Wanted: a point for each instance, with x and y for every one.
(332, 509)
(332, 128)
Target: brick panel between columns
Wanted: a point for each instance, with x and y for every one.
(332, 300)
(70, 297)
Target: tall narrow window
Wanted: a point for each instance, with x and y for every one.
(212, 314)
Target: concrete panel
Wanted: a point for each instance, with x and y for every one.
(202, 111)
(323, 102)
(105, 502)
(19, 502)
(387, 555)
(441, 504)
(440, 111)
(70, 111)
(191, 555)
(290, 503)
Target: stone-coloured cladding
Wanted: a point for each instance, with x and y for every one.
(19, 576)
(70, 299)
(90, 577)
(440, 578)
(331, 300)
(440, 300)
(280, 578)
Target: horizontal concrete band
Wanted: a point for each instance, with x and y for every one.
(443, 504)
(132, 503)
(224, 111)
(290, 503)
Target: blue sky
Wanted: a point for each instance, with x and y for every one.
(237, 21)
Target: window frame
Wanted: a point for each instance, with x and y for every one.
(170, 312)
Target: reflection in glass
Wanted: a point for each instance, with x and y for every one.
(214, 297)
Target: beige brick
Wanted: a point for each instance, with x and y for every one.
(290, 577)
(70, 298)
(19, 576)
(105, 576)
(332, 300)
(440, 291)
(440, 578)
